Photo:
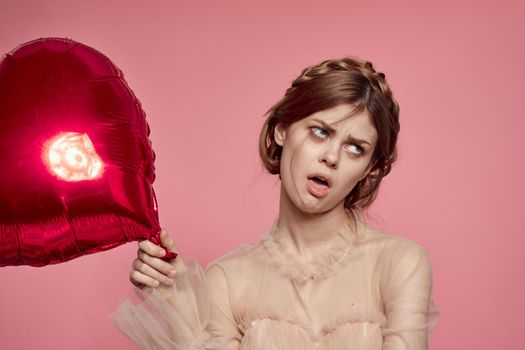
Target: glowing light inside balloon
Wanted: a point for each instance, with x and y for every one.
(72, 157)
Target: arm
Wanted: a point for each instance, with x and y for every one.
(221, 325)
(410, 312)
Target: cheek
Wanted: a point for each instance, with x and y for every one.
(295, 163)
(351, 175)
(346, 187)
(294, 157)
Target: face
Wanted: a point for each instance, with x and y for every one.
(328, 144)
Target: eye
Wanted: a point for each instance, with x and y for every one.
(355, 149)
(318, 132)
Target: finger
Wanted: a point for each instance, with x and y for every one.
(140, 280)
(151, 248)
(147, 270)
(158, 264)
(167, 241)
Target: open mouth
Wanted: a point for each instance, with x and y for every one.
(318, 186)
(319, 180)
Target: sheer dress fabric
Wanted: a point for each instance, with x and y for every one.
(370, 290)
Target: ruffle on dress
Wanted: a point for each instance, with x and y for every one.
(347, 316)
(321, 266)
(173, 319)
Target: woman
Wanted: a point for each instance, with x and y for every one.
(320, 278)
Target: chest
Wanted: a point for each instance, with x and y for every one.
(316, 307)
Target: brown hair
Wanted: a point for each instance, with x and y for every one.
(326, 85)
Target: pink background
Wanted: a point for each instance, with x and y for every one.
(207, 71)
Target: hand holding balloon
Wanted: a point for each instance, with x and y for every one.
(149, 269)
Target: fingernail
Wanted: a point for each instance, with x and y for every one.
(172, 273)
(162, 252)
(156, 283)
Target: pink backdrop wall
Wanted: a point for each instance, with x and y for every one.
(207, 71)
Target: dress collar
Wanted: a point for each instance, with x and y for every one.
(321, 266)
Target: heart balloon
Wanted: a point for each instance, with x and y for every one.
(76, 162)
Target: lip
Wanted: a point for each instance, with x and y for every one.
(322, 176)
(317, 190)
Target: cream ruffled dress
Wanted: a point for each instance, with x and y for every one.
(370, 291)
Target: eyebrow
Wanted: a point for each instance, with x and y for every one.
(332, 130)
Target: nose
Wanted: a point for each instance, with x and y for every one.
(330, 156)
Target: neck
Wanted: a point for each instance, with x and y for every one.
(310, 233)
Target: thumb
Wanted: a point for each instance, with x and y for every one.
(167, 242)
(178, 263)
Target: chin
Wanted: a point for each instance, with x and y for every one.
(314, 208)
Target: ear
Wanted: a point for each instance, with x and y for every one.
(279, 133)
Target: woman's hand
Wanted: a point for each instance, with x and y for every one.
(148, 269)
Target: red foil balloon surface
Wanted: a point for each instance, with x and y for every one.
(76, 162)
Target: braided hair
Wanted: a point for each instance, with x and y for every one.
(333, 82)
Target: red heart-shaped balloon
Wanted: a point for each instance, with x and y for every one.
(76, 162)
